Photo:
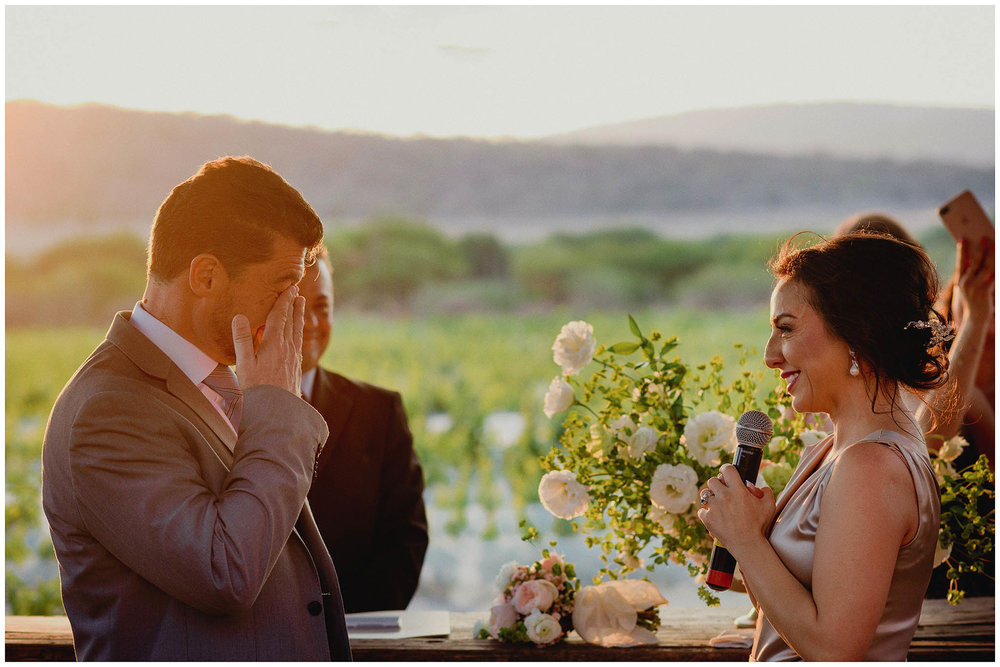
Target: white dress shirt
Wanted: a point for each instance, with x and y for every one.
(308, 379)
(194, 363)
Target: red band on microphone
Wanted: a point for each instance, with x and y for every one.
(723, 580)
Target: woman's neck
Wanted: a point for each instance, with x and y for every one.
(856, 418)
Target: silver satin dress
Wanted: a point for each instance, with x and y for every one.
(793, 536)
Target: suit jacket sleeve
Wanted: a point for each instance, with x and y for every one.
(392, 572)
(221, 545)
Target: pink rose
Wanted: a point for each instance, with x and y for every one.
(552, 560)
(501, 616)
(535, 594)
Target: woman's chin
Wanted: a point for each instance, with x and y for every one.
(801, 405)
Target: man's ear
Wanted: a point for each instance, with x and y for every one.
(206, 274)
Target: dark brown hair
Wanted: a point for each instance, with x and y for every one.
(233, 208)
(868, 287)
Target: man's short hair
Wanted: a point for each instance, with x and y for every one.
(323, 255)
(233, 208)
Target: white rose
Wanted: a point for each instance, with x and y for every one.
(574, 347)
(642, 442)
(673, 487)
(562, 495)
(606, 614)
(534, 594)
(950, 449)
(559, 397)
(542, 628)
(708, 434)
(811, 437)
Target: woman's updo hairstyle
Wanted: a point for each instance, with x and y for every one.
(868, 287)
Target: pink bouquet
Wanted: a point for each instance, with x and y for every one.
(535, 603)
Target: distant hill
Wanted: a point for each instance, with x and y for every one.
(92, 168)
(959, 136)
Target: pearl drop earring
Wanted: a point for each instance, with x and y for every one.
(855, 371)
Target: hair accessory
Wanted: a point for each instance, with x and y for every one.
(855, 371)
(940, 332)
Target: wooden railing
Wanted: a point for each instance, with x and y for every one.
(946, 633)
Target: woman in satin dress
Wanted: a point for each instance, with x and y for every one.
(838, 567)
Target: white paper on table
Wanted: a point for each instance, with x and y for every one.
(370, 624)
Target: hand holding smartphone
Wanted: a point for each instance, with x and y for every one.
(963, 217)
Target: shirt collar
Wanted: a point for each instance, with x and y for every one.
(194, 363)
(308, 379)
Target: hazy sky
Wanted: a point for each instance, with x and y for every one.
(520, 71)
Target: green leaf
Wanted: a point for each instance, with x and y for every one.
(624, 348)
(634, 327)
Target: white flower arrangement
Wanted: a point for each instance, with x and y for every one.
(640, 438)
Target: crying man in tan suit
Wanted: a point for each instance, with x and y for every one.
(175, 491)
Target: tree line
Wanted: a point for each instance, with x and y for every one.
(407, 266)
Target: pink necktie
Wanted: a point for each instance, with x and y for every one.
(223, 382)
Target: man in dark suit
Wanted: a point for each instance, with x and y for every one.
(367, 495)
(175, 490)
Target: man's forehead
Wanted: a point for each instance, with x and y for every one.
(289, 262)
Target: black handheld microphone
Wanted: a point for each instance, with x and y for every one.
(753, 431)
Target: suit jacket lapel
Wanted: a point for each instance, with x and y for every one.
(334, 401)
(152, 361)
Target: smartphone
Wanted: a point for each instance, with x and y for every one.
(964, 217)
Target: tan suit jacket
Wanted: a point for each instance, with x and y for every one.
(170, 545)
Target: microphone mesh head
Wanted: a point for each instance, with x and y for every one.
(754, 428)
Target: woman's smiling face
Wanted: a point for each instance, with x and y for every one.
(813, 362)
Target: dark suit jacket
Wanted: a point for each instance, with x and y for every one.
(170, 545)
(368, 493)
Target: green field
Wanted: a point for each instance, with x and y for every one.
(466, 366)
